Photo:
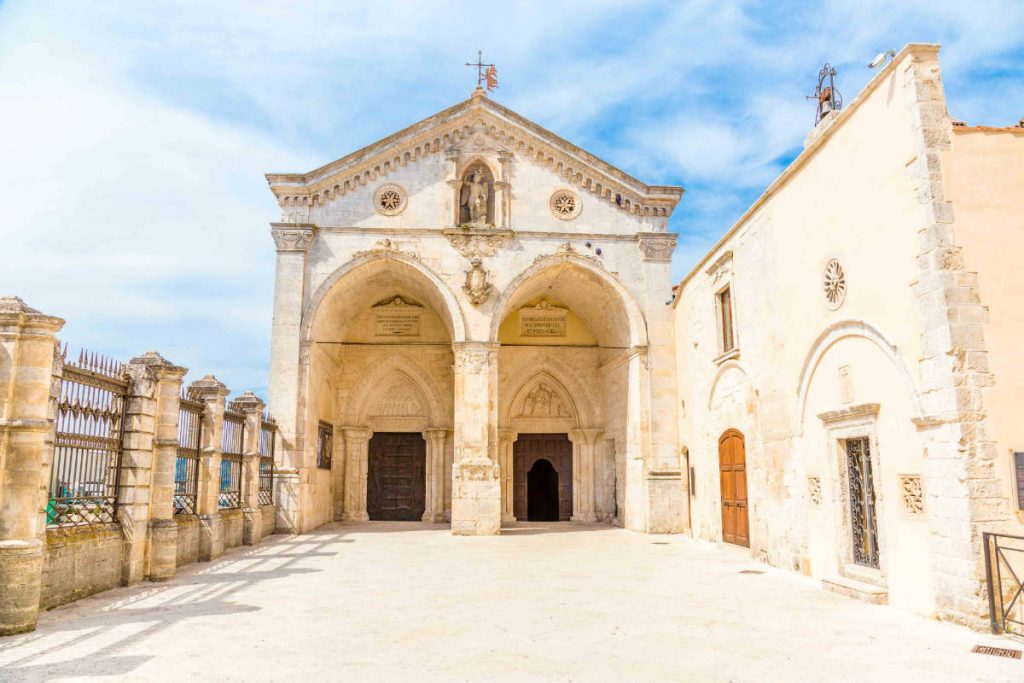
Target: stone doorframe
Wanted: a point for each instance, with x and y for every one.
(854, 422)
(357, 465)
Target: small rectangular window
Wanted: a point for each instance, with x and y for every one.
(324, 442)
(728, 336)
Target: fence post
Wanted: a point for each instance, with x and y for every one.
(160, 383)
(250, 405)
(211, 529)
(27, 343)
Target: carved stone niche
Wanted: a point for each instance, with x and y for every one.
(476, 196)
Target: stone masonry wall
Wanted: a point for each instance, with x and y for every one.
(188, 539)
(79, 562)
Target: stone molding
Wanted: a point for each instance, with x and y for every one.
(721, 267)
(292, 237)
(385, 248)
(15, 315)
(863, 412)
(657, 246)
(478, 242)
(566, 252)
(160, 366)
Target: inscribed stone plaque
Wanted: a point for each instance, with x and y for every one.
(397, 318)
(542, 320)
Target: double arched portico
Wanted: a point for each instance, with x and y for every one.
(387, 347)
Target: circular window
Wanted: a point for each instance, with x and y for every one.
(389, 200)
(834, 284)
(565, 205)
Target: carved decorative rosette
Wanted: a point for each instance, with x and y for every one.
(657, 246)
(292, 239)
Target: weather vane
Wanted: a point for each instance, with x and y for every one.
(485, 73)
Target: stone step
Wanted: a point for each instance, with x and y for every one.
(858, 590)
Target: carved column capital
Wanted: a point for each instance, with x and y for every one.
(292, 236)
(474, 358)
(657, 246)
(586, 437)
(356, 435)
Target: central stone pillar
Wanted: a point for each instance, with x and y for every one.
(357, 454)
(476, 485)
(584, 442)
(506, 463)
(434, 510)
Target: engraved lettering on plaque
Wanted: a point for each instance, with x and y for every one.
(397, 317)
(542, 320)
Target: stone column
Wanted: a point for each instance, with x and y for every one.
(250, 405)
(503, 193)
(292, 241)
(506, 463)
(27, 344)
(338, 467)
(357, 444)
(434, 509)
(666, 502)
(584, 443)
(211, 530)
(476, 485)
(151, 446)
(451, 157)
(637, 443)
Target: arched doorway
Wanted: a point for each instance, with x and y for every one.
(396, 477)
(542, 492)
(732, 468)
(556, 451)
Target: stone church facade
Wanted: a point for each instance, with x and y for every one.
(474, 323)
(467, 311)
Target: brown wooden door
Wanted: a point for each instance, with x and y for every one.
(527, 450)
(732, 467)
(396, 476)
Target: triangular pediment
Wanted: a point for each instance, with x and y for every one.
(476, 125)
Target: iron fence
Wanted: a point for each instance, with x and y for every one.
(87, 444)
(232, 441)
(268, 438)
(1004, 573)
(186, 467)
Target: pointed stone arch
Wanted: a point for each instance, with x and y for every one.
(402, 382)
(543, 403)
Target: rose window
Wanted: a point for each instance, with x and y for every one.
(565, 205)
(834, 284)
(390, 200)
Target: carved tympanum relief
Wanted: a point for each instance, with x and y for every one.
(400, 398)
(543, 402)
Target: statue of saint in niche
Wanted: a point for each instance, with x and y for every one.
(475, 202)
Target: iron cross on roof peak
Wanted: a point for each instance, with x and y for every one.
(486, 74)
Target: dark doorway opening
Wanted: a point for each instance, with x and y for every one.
(556, 451)
(542, 492)
(396, 477)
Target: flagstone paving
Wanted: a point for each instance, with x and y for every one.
(541, 602)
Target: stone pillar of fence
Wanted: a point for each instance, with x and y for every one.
(151, 433)
(147, 469)
(27, 343)
(250, 405)
(211, 530)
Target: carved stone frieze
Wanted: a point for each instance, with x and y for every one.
(721, 267)
(657, 246)
(472, 243)
(543, 402)
(385, 247)
(566, 252)
(472, 360)
(292, 238)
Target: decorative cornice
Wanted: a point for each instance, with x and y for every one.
(14, 312)
(475, 242)
(721, 265)
(292, 237)
(657, 246)
(475, 119)
(853, 414)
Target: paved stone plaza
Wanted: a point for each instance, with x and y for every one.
(541, 602)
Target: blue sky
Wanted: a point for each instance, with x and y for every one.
(136, 135)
